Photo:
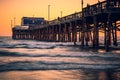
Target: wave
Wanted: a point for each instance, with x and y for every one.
(13, 54)
(112, 60)
(89, 55)
(27, 46)
(26, 65)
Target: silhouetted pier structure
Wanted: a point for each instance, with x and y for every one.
(83, 27)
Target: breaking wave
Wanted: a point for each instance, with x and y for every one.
(35, 55)
(26, 65)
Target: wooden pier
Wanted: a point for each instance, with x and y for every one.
(83, 27)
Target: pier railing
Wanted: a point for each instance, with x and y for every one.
(90, 10)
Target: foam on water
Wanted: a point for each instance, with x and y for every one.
(59, 61)
(54, 66)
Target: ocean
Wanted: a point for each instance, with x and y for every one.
(36, 60)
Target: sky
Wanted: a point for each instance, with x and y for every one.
(11, 9)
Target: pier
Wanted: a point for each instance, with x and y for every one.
(84, 27)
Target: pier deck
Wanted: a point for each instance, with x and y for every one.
(84, 27)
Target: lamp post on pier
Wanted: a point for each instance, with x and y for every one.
(49, 12)
(61, 13)
(14, 21)
(11, 24)
(82, 4)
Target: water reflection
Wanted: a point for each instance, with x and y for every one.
(60, 75)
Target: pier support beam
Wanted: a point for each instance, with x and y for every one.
(83, 32)
(114, 34)
(59, 33)
(74, 32)
(95, 32)
(108, 33)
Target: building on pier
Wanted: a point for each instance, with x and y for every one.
(23, 31)
(32, 21)
(28, 21)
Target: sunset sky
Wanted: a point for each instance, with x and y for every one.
(38, 8)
